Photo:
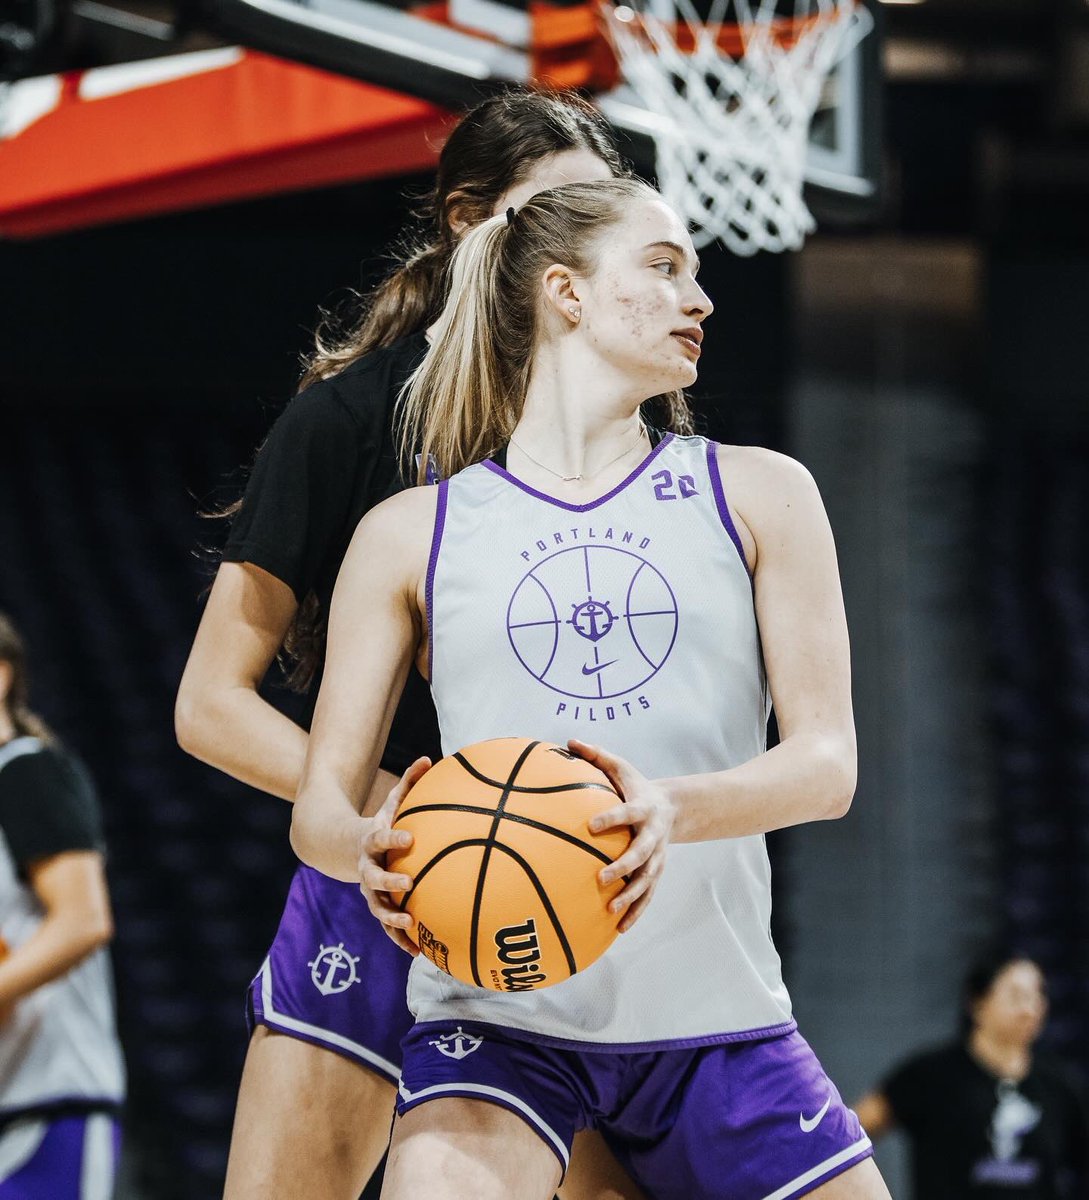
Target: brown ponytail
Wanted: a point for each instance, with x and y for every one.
(408, 300)
(491, 149)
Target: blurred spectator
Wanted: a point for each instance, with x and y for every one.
(62, 1076)
(988, 1117)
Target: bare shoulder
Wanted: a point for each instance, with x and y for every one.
(759, 467)
(775, 501)
(764, 484)
(408, 512)
(396, 533)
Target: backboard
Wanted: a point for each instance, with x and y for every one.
(454, 52)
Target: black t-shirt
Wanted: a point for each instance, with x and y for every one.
(975, 1137)
(47, 803)
(327, 461)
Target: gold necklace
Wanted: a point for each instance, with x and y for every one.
(575, 478)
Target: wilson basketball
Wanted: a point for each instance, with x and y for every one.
(506, 893)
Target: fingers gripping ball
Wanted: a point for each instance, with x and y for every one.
(506, 894)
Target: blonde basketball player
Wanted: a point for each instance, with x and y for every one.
(327, 1008)
(592, 582)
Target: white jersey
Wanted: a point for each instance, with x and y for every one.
(627, 622)
(59, 1046)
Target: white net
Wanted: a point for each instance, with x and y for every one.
(732, 125)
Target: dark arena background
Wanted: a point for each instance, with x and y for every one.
(925, 355)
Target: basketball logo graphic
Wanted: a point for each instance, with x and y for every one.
(592, 622)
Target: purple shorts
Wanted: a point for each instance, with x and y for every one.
(333, 977)
(64, 1158)
(752, 1120)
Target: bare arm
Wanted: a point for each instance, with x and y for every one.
(875, 1114)
(72, 890)
(810, 775)
(375, 630)
(219, 716)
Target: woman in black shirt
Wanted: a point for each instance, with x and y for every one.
(328, 1005)
(987, 1116)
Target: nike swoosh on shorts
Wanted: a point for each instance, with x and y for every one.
(808, 1124)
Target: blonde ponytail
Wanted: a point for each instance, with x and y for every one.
(460, 403)
(465, 399)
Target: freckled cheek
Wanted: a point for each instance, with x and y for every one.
(637, 315)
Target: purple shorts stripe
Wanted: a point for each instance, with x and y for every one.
(69, 1158)
(823, 1172)
(333, 978)
(476, 1091)
(756, 1120)
(265, 1013)
(691, 1043)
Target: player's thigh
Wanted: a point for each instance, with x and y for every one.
(459, 1149)
(861, 1182)
(595, 1174)
(310, 1123)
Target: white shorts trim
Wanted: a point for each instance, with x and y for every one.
(19, 1143)
(516, 1102)
(795, 1185)
(278, 1020)
(99, 1168)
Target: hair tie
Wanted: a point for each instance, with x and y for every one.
(510, 217)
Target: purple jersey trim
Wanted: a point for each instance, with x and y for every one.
(65, 1106)
(581, 508)
(692, 1043)
(432, 563)
(720, 501)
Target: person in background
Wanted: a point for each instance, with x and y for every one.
(987, 1116)
(62, 1075)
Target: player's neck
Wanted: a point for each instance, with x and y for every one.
(577, 459)
(1003, 1059)
(578, 417)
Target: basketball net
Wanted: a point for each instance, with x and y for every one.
(733, 97)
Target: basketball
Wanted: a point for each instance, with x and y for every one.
(506, 893)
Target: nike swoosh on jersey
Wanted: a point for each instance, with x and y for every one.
(597, 667)
(808, 1124)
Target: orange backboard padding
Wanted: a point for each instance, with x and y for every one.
(571, 47)
(256, 127)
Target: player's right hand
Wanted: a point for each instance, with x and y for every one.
(375, 882)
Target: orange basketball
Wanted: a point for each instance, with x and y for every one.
(506, 892)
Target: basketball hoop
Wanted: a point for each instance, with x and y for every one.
(732, 98)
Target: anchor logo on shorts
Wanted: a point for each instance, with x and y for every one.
(457, 1045)
(333, 970)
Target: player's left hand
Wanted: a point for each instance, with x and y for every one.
(649, 810)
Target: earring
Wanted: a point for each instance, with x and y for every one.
(575, 312)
